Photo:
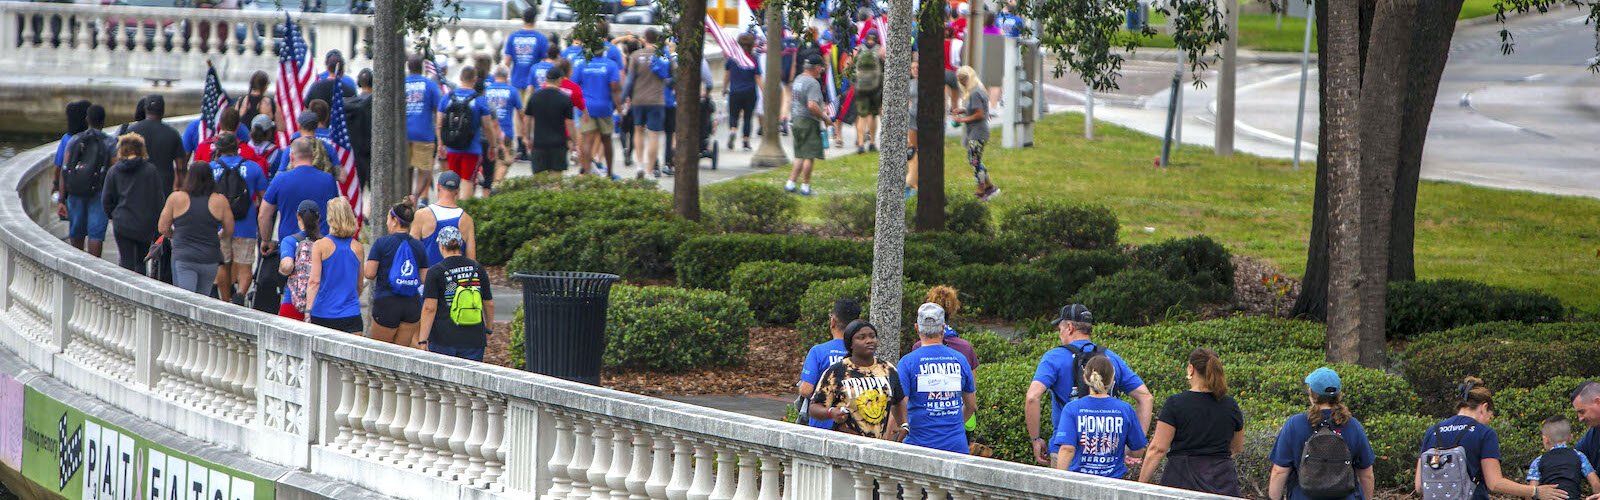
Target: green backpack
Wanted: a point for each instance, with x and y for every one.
(466, 308)
(868, 71)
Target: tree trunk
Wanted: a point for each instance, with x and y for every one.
(691, 39)
(1343, 122)
(388, 183)
(771, 154)
(1434, 28)
(930, 118)
(888, 244)
(1312, 303)
(1384, 79)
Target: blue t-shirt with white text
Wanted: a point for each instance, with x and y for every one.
(422, 106)
(595, 77)
(505, 102)
(818, 359)
(934, 378)
(1479, 440)
(1055, 372)
(480, 109)
(526, 48)
(1292, 442)
(1100, 431)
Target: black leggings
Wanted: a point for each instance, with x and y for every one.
(741, 104)
(131, 252)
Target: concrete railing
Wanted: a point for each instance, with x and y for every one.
(410, 424)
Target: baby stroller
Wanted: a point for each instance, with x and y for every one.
(708, 147)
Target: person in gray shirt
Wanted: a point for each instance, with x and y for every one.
(973, 112)
(809, 118)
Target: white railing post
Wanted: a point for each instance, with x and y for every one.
(9, 30)
(748, 474)
(147, 335)
(683, 456)
(532, 438)
(727, 474)
(771, 477)
(645, 463)
(5, 251)
(582, 454)
(704, 471)
(61, 308)
(811, 479)
(560, 482)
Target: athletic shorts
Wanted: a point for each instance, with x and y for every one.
(350, 324)
(950, 80)
(602, 125)
(463, 164)
(391, 311)
(807, 135)
(653, 118)
(423, 155)
(549, 159)
(868, 103)
(241, 251)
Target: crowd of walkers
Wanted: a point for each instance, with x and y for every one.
(928, 399)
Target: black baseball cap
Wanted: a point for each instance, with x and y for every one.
(1075, 313)
(814, 60)
(308, 206)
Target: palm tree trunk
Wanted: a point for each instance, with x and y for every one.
(930, 117)
(1343, 146)
(691, 39)
(888, 246)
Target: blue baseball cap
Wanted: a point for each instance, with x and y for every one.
(1324, 382)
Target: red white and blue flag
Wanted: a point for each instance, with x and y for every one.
(212, 102)
(730, 49)
(342, 155)
(294, 77)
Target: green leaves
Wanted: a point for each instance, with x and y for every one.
(1085, 35)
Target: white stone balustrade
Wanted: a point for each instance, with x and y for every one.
(212, 372)
(31, 290)
(100, 333)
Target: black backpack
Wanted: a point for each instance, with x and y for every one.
(460, 125)
(1080, 359)
(1326, 467)
(233, 186)
(84, 168)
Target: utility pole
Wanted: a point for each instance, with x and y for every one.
(1226, 86)
(771, 153)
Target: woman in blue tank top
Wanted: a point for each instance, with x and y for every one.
(333, 296)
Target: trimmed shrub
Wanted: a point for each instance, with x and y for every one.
(923, 261)
(967, 215)
(973, 248)
(748, 207)
(1007, 291)
(1254, 462)
(1063, 226)
(774, 289)
(633, 249)
(1198, 261)
(1416, 307)
(1367, 391)
(505, 222)
(1509, 330)
(818, 302)
(991, 348)
(675, 329)
(1075, 268)
(519, 338)
(1434, 372)
(706, 262)
(1526, 409)
(1395, 439)
(850, 214)
(1001, 387)
(554, 180)
(1135, 297)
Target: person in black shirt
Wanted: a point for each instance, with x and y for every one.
(1198, 431)
(358, 116)
(162, 143)
(451, 324)
(323, 88)
(550, 111)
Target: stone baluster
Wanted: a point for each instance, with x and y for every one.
(600, 461)
(475, 437)
(443, 457)
(83, 37)
(358, 409)
(645, 463)
(771, 476)
(341, 415)
(622, 460)
(211, 375)
(788, 483)
(727, 474)
(935, 491)
(494, 449)
(250, 373)
(108, 35)
(164, 352)
(175, 346)
(459, 435)
(369, 418)
(675, 483)
(134, 33)
(582, 454)
(748, 474)
(863, 485)
(417, 415)
(396, 430)
(560, 484)
(220, 37)
(889, 488)
(189, 366)
(426, 450)
(240, 365)
(962, 495)
(270, 43)
(704, 472)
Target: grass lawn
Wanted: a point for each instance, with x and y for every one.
(1260, 31)
(1261, 207)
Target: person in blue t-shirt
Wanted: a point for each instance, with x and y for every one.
(1586, 403)
(1327, 407)
(824, 355)
(506, 103)
(465, 162)
(1054, 376)
(422, 108)
(300, 183)
(523, 49)
(1470, 430)
(601, 81)
(239, 256)
(740, 85)
(574, 52)
(940, 391)
(1097, 429)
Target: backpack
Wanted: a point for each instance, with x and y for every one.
(403, 277)
(1444, 470)
(460, 126)
(466, 308)
(1326, 467)
(1080, 359)
(84, 169)
(320, 159)
(300, 279)
(232, 186)
(869, 71)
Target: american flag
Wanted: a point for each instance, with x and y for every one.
(294, 75)
(212, 102)
(342, 155)
(730, 49)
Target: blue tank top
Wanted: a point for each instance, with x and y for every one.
(339, 294)
(443, 217)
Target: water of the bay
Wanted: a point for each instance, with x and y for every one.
(11, 144)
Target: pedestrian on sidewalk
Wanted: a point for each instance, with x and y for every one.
(458, 302)
(257, 102)
(646, 97)
(1097, 430)
(190, 220)
(297, 274)
(302, 182)
(231, 171)
(822, 356)
(422, 108)
(868, 68)
(263, 139)
(227, 121)
(442, 214)
(80, 182)
(601, 81)
(1328, 411)
(133, 196)
(550, 133)
(1198, 432)
(1057, 376)
(396, 263)
(523, 51)
(333, 296)
(162, 145)
(940, 391)
(358, 119)
(741, 86)
(948, 301)
(973, 113)
(506, 103)
(911, 134)
(1468, 435)
(861, 393)
(464, 120)
(809, 119)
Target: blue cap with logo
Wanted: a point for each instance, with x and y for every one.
(1324, 382)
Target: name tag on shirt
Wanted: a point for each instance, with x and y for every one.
(939, 382)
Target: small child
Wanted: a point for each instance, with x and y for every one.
(1560, 465)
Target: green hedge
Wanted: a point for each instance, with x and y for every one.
(850, 214)
(773, 289)
(966, 214)
(1063, 226)
(1368, 391)
(1509, 330)
(675, 329)
(748, 207)
(1007, 291)
(505, 222)
(1075, 268)
(554, 180)
(706, 262)
(991, 348)
(1396, 439)
(1136, 297)
(1198, 261)
(1526, 409)
(818, 302)
(1000, 391)
(1434, 372)
(1416, 307)
(633, 249)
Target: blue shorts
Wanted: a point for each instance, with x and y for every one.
(86, 217)
(472, 353)
(653, 118)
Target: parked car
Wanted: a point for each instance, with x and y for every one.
(616, 11)
(483, 9)
(312, 6)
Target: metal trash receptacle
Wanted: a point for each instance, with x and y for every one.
(564, 323)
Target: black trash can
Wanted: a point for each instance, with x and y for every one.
(564, 323)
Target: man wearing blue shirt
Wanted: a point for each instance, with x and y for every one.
(601, 81)
(422, 105)
(239, 256)
(824, 355)
(506, 103)
(939, 387)
(1055, 376)
(302, 182)
(464, 161)
(1586, 402)
(523, 49)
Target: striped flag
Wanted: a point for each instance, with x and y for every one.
(342, 155)
(294, 76)
(730, 49)
(212, 102)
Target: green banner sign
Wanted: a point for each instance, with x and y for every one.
(81, 457)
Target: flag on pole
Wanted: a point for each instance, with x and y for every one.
(212, 102)
(342, 155)
(294, 76)
(730, 49)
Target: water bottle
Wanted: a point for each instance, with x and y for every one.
(825, 142)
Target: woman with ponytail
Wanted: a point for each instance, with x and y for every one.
(1469, 430)
(1096, 429)
(1199, 431)
(396, 293)
(1327, 410)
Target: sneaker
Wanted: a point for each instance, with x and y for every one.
(788, 186)
(627, 159)
(730, 141)
(805, 190)
(861, 150)
(989, 194)
(746, 146)
(838, 142)
(783, 128)
(668, 171)
(638, 174)
(872, 147)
